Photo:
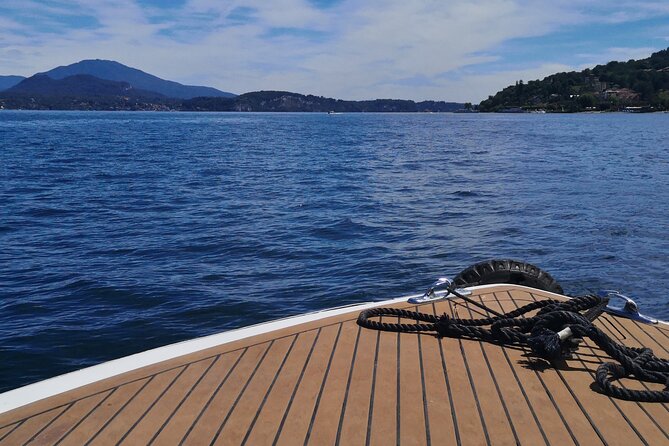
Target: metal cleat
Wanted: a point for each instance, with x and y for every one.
(629, 310)
(433, 294)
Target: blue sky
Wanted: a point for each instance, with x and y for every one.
(455, 50)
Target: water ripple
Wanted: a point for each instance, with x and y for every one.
(126, 231)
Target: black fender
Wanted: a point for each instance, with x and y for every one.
(507, 271)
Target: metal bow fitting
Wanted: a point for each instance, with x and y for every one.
(630, 309)
(433, 292)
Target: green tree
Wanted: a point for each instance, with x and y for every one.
(587, 100)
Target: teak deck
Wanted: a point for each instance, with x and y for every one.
(331, 382)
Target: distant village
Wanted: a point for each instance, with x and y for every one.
(633, 86)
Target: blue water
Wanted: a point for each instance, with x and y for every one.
(121, 232)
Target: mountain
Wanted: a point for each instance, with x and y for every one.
(642, 84)
(114, 71)
(81, 92)
(124, 88)
(285, 101)
(9, 81)
(78, 85)
(84, 92)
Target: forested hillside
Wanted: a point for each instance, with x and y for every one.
(614, 86)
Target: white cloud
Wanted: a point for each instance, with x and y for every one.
(620, 54)
(351, 50)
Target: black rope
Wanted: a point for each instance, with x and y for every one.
(452, 290)
(540, 333)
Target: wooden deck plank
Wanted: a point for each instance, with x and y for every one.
(633, 330)
(116, 427)
(515, 407)
(62, 425)
(642, 418)
(5, 431)
(412, 427)
(660, 332)
(210, 414)
(494, 412)
(615, 425)
(325, 419)
(276, 397)
(382, 426)
(237, 421)
(331, 382)
(657, 414)
(264, 423)
(636, 337)
(470, 423)
(557, 410)
(298, 414)
(85, 428)
(27, 430)
(354, 413)
(185, 413)
(153, 418)
(522, 410)
(438, 393)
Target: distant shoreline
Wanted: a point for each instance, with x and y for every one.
(326, 113)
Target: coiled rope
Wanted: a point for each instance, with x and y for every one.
(545, 333)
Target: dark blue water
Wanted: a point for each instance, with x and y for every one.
(121, 232)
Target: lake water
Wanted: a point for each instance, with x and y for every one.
(120, 232)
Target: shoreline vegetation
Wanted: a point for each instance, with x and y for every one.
(632, 86)
(636, 86)
(259, 101)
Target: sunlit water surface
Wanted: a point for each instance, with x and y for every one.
(120, 232)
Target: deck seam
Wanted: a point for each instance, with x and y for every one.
(241, 392)
(398, 412)
(348, 386)
(546, 390)
(48, 424)
(571, 391)
(665, 405)
(364, 346)
(370, 411)
(113, 417)
(640, 343)
(152, 405)
(107, 389)
(645, 386)
(169, 369)
(184, 398)
(269, 390)
(663, 331)
(213, 395)
(517, 378)
(456, 430)
(495, 383)
(610, 322)
(473, 387)
(12, 429)
(615, 403)
(85, 417)
(320, 392)
(428, 439)
(297, 386)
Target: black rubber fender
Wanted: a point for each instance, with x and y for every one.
(507, 271)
